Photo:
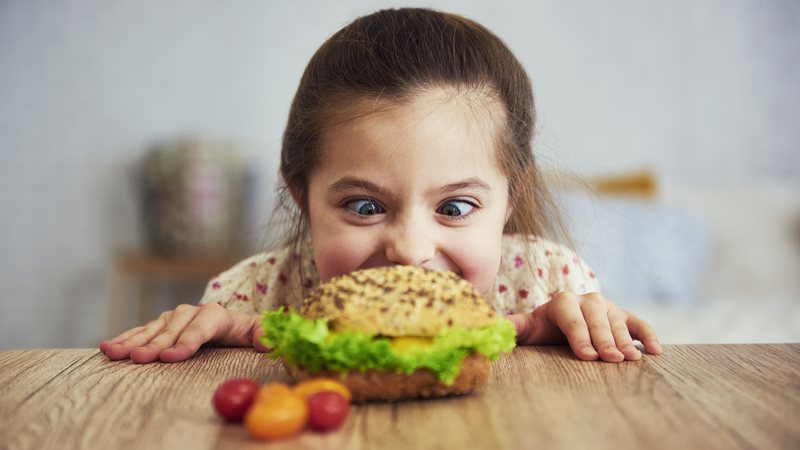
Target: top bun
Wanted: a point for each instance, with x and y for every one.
(398, 301)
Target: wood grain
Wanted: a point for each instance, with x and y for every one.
(705, 396)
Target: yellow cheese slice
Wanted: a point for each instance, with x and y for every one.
(406, 343)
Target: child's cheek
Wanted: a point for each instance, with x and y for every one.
(479, 263)
(337, 256)
(483, 279)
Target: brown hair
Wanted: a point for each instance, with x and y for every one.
(394, 54)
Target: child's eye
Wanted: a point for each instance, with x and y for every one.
(455, 208)
(365, 207)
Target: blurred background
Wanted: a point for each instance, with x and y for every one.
(670, 130)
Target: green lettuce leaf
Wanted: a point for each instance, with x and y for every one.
(311, 344)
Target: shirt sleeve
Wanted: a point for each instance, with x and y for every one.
(533, 270)
(253, 285)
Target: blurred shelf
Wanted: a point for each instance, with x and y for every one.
(144, 264)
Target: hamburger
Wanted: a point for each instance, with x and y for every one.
(392, 333)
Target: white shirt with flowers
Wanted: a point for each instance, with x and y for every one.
(532, 271)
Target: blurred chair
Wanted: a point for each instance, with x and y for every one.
(643, 250)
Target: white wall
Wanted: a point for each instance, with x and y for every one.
(701, 92)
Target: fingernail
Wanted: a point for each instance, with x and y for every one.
(590, 350)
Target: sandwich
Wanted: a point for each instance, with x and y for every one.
(392, 333)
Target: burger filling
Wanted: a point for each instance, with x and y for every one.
(311, 344)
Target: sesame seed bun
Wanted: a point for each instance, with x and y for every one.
(399, 301)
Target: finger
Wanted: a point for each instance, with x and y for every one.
(105, 345)
(642, 331)
(565, 312)
(121, 337)
(595, 312)
(257, 333)
(622, 335)
(118, 351)
(143, 335)
(535, 328)
(212, 322)
(523, 325)
(181, 317)
(148, 331)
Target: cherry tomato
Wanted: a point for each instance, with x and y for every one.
(307, 388)
(233, 397)
(272, 390)
(278, 417)
(327, 410)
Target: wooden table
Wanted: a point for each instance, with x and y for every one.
(703, 396)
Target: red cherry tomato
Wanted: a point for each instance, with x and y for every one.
(233, 398)
(327, 410)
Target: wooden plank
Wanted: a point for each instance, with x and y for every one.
(24, 372)
(708, 396)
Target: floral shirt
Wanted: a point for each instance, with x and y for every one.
(532, 271)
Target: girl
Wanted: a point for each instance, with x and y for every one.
(409, 142)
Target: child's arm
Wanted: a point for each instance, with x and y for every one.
(228, 314)
(177, 335)
(593, 326)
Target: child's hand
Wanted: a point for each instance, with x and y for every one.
(594, 327)
(176, 335)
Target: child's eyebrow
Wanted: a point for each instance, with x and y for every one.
(345, 184)
(469, 184)
(350, 183)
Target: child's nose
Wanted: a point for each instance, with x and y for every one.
(410, 250)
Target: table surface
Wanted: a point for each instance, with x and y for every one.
(692, 396)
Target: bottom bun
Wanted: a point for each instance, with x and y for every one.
(373, 385)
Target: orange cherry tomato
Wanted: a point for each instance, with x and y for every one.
(277, 417)
(307, 388)
(272, 390)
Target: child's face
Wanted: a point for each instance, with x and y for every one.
(417, 184)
